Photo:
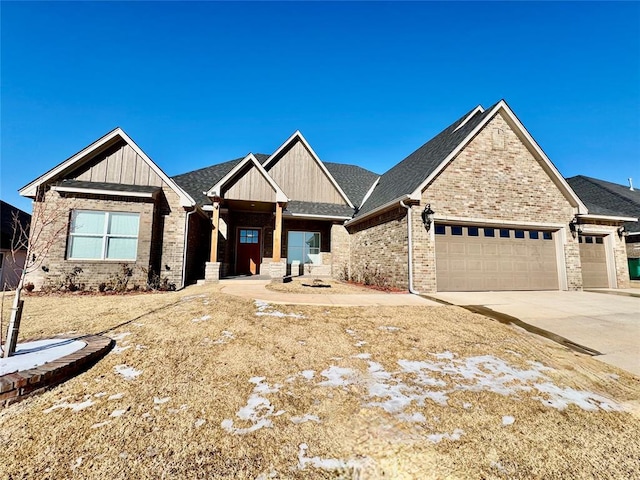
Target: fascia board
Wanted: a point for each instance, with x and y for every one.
(298, 135)
(613, 218)
(370, 191)
(478, 109)
(377, 210)
(97, 191)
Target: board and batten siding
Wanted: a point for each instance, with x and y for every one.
(250, 186)
(119, 164)
(301, 178)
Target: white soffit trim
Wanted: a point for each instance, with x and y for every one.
(98, 191)
(217, 188)
(478, 109)
(30, 189)
(298, 135)
(550, 167)
(613, 218)
(380, 209)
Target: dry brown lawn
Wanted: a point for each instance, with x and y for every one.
(230, 389)
(318, 286)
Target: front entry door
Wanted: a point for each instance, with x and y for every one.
(248, 252)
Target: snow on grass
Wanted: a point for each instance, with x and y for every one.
(307, 417)
(118, 349)
(388, 328)
(127, 372)
(119, 412)
(116, 396)
(508, 420)
(225, 338)
(76, 407)
(101, 424)
(199, 422)
(363, 356)
(361, 343)
(438, 437)
(258, 410)
(266, 309)
(160, 401)
(120, 336)
(203, 318)
(308, 374)
(33, 354)
(338, 377)
(329, 464)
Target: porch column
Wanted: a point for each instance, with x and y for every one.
(277, 233)
(215, 222)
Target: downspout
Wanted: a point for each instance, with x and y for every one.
(410, 240)
(186, 243)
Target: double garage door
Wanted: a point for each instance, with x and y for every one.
(470, 258)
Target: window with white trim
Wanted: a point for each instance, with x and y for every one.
(303, 247)
(96, 235)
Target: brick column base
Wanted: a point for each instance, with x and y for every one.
(211, 272)
(277, 269)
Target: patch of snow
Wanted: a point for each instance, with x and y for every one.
(116, 396)
(308, 374)
(141, 347)
(257, 411)
(226, 336)
(33, 354)
(305, 418)
(120, 336)
(138, 324)
(467, 405)
(337, 377)
(415, 417)
(199, 422)
(77, 463)
(444, 355)
(438, 437)
(76, 407)
(203, 318)
(119, 413)
(101, 424)
(100, 394)
(119, 349)
(350, 332)
(388, 328)
(329, 464)
(266, 476)
(160, 401)
(266, 309)
(360, 343)
(127, 372)
(508, 420)
(363, 356)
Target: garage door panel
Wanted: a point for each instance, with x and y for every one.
(479, 263)
(594, 262)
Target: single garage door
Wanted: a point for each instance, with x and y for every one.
(470, 258)
(594, 262)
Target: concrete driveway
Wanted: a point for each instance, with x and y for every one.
(604, 322)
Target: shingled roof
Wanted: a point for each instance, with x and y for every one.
(405, 177)
(355, 181)
(606, 198)
(7, 212)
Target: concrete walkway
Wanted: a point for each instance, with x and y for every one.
(608, 323)
(256, 289)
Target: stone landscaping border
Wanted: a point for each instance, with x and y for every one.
(20, 385)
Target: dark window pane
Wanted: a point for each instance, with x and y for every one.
(546, 235)
(504, 232)
(533, 235)
(472, 231)
(588, 239)
(599, 239)
(519, 233)
(579, 239)
(456, 230)
(440, 230)
(489, 232)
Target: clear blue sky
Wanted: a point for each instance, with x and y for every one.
(367, 83)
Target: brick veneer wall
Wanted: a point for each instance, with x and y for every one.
(160, 239)
(495, 177)
(380, 242)
(340, 252)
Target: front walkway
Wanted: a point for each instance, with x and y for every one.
(256, 289)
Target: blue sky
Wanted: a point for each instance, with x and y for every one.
(367, 83)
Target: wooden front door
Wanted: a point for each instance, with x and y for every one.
(248, 251)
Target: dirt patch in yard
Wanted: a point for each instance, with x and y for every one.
(210, 385)
(319, 286)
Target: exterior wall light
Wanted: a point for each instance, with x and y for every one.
(427, 217)
(574, 228)
(623, 232)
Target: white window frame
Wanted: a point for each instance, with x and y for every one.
(319, 244)
(105, 235)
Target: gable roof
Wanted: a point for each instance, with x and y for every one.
(7, 212)
(297, 136)
(408, 178)
(355, 181)
(216, 189)
(606, 198)
(73, 162)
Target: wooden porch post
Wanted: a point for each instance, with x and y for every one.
(215, 222)
(277, 233)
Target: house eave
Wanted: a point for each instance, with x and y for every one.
(378, 210)
(611, 218)
(96, 191)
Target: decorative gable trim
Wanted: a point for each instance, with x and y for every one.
(478, 109)
(298, 136)
(30, 190)
(548, 166)
(216, 190)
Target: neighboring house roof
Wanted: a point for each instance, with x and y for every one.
(73, 162)
(606, 198)
(7, 214)
(407, 179)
